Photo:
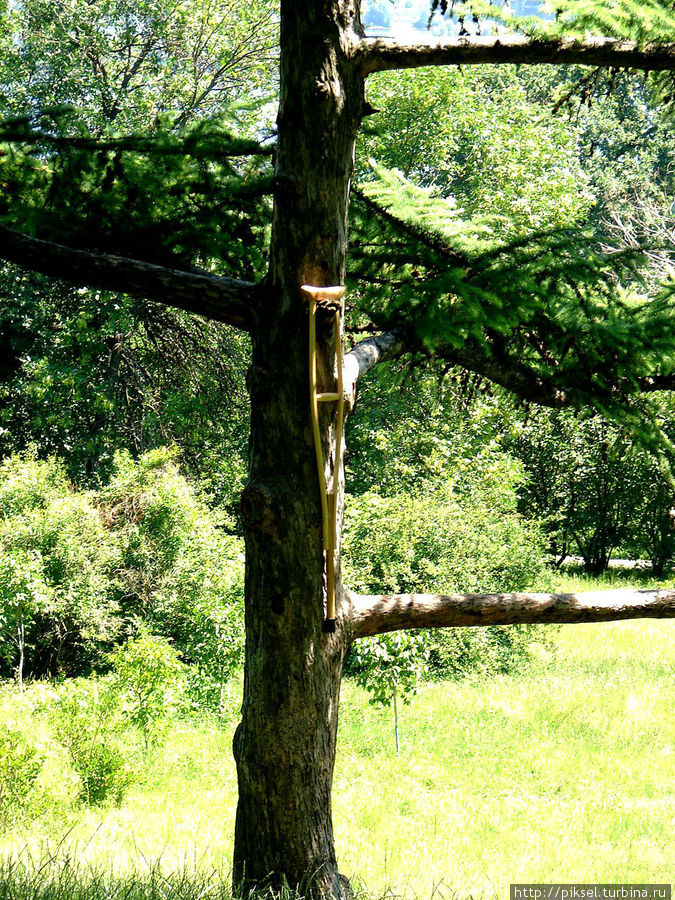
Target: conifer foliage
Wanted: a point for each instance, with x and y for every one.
(549, 308)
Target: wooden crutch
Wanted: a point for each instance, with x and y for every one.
(331, 300)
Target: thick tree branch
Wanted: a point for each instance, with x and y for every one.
(536, 388)
(653, 383)
(210, 146)
(223, 299)
(522, 381)
(379, 614)
(506, 372)
(365, 355)
(382, 54)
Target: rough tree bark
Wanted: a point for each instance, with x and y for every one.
(285, 744)
(378, 614)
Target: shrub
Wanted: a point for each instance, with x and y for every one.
(20, 766)
(80, 569)
(86, 720)
(179, 571)
(389, 667)
(500, 649)
(105, 774)
(439, 541)
(150, 680)
(55, 600)
(27, 484)
(461, 535)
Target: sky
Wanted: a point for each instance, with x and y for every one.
(407, 19)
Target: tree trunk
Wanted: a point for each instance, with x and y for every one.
(395, 699)
(285, 744)
(22, 646)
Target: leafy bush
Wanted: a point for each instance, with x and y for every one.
(441, 539)
(179, 571)
(27, 484)
(86, 720)
(105, 774)
(500, 649)
(458, 535)
(656, 535)
(56, 607)
(79, 570)
(20, 766)
(94, 719)
(389, 666)
(150, 678)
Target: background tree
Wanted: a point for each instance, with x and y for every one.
(587, 481)
(86, 374)
(389, 668)
(543, 315)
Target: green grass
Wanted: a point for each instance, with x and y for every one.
(62, 877)
(570, 579)
(563, 773)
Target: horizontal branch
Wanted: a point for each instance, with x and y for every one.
(366, 354)
(198, 147)
(513, 376)
(524, 382)
(383, 54)
(378, 614)
(223, 299)
(537, 388)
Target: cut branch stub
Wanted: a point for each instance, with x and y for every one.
(368, 353)
(331, 300)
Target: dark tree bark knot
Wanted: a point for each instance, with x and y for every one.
(257, 509)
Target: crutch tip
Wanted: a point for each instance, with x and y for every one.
(329, 626)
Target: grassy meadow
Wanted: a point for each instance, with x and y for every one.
(565, 772)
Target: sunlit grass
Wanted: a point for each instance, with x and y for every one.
(563, 773)
(572, 579)
(180, 812)
(66, 877)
